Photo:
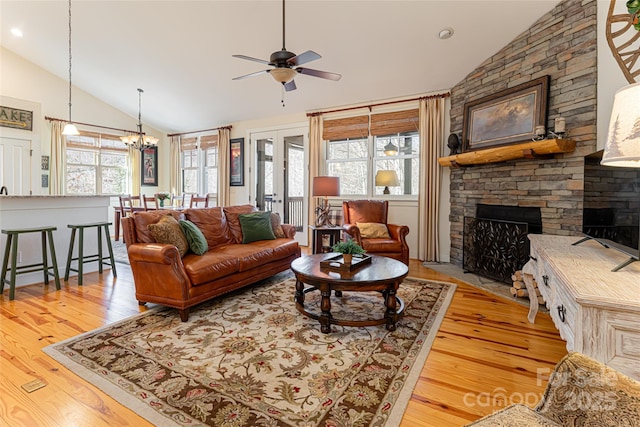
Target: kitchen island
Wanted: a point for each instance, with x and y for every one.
(57, 211)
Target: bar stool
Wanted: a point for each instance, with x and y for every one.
(81, 258)
(12, 247)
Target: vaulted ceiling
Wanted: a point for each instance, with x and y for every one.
(180, 52)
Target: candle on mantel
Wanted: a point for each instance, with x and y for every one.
(560, 125)
(539, 130)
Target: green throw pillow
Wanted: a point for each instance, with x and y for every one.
(197, 241)
(256, 226)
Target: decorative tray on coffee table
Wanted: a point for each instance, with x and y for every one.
(336, 263)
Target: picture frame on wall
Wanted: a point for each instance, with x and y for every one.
(236, 162)
(505, 117)
(149, 167)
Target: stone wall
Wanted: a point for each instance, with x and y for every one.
(561, 44)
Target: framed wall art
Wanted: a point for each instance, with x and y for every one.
(149, 167)
(505, 117)
(236, 169)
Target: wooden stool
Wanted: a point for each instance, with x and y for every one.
(81, 258)
(12, 247)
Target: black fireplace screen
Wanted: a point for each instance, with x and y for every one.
(493, 248)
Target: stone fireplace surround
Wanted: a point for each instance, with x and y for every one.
(561, 44)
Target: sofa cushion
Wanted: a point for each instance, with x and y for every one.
(256, 226)
(211, 266)
(168, 231)
(282, 248)
(249, 256)
(373, 230)
(382, 245)
(212, 223)
(143, 219)
(276, 225)
(231, 213)
(197, 241)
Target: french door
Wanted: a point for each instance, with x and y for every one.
(279, 176)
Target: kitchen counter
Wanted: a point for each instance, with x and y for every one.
(57, 211)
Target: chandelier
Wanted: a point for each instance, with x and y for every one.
(139, 140)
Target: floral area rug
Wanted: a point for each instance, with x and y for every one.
(251, 359)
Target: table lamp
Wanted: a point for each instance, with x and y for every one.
(387, 179)
(325, 186)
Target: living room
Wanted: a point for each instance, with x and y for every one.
(586, 110)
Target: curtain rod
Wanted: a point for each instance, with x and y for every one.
(53, 119)
(198, 131)
(420, 98)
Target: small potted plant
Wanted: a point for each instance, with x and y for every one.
(162, 197)
(348, 248)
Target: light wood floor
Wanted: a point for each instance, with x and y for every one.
(486, 355)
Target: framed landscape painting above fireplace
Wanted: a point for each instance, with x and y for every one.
(505, 117)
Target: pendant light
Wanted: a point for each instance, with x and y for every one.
(70, 128)
(140, 141)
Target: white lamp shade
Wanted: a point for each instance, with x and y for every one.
(623, 141)
(387, 179)
(70, 129)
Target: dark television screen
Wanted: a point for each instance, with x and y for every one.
(611, 212)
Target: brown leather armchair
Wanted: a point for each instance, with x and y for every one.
(375, 211)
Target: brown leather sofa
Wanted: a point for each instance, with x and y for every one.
(162, 277)
(375, 211)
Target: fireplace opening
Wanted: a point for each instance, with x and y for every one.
(495, 243)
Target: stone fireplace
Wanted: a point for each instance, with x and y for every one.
(561, 44)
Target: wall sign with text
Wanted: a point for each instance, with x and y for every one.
(16, 118)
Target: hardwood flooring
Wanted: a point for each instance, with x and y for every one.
(486, 355)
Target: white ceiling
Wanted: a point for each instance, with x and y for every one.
(179, 52)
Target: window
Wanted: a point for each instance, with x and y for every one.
(405, 163)
(96, 164)
(357, 148)
(199, 166)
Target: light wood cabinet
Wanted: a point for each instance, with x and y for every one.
(596, 311)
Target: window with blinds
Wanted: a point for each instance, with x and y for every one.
(96, 163)
(357, 148)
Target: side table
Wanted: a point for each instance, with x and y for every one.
(334, 234)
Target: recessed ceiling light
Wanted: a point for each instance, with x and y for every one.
(445, 33)
(17, 32)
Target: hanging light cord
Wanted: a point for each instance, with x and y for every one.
(69, 61)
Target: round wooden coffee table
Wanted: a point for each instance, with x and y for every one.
(383, 275)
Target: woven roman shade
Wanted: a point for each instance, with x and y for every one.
(187, 144)
(208, 141)
(396, 122)
(350, 127)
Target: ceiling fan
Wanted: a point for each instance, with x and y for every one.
(287, 64)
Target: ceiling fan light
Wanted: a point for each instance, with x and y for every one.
(283, 75)
(70, 129)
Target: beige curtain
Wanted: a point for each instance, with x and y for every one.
(315, 148)
(174, 166)
(134, 167)
(431, 139)
(224, 152)
(56, 162)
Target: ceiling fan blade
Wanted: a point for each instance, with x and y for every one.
(289, 86)
(303, 58)
(318, 73)
(249, 58)
(257, 73)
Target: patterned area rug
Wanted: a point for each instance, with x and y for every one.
(251, 359)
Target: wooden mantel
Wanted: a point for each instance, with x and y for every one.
(503, 153)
